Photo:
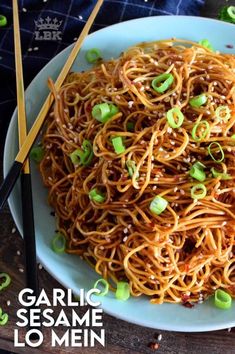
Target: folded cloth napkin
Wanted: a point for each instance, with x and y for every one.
(67, 19)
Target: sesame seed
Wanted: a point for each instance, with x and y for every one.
(24, 9)
(229, 149)
(40, 266)
(175, 189)
(154, 188)
(125, 230)
(75, 38)
(18, 253)
(130, 104)
(125, 238)
(159, 338)
(152, 277)
(229, 329)
(8, 302)
(21, 270)
(80, 17)
(101, 247)
(35, 49)
(30, 49)
(13, 230)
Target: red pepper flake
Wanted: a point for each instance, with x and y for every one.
(185, 298)
(186, 267)
(188, 304)
(230, 46)
(153, 346)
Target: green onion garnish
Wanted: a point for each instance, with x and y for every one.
(58, 243)
(162, 82)
(104, 111)
(225, 13)
(118, 145)
(123, 291)
(96, 196)
(175, 117)
(222, 299)
(83, 157)
(198, 191)
(231, 12)
(233, 137)
(197, 171)
(92, 55)
(198, 101)
(37, 154)
(197, 126)
(205, 43)
(158, 205)
(3, 21)
(6, 282)
(130, 126)
(104, 284)
(223, 113)
(221, 151)
(216, 174)
(3, 318)
(131, 166)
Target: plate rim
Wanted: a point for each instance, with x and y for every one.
(183, 328)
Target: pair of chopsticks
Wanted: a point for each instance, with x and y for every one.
(13, 174)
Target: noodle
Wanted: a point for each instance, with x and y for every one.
(188, 251)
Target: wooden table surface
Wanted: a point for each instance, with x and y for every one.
(121, 337)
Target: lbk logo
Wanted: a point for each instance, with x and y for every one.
(48, 29)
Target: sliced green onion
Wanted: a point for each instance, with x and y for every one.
(197, 171)
(92, 55)
(96, 196)
(222, 299)
(37, 153)
(131, 166)
(205, 43)
(216, 174)
(158, 205)
(198, 101)
(198, 191)
(162, 82)
(233, 137)
(130, 126)
(224, 15)
(58, 243)
(175, 117)
(223, 113)
(231, 12)
(221, 151)
(198, 126)
(6, 282)
(104, 284)
(118, 145)
(83, 157)
(104, 111)
(3, 318)
(123, 291)
(3, 21)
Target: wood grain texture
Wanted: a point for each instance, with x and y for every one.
(121, 337)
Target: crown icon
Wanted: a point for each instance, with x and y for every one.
(48, 24)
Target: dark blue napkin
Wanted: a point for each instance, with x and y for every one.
(60, 22)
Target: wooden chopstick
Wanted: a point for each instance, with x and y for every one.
(26, 189)
(13, 174)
